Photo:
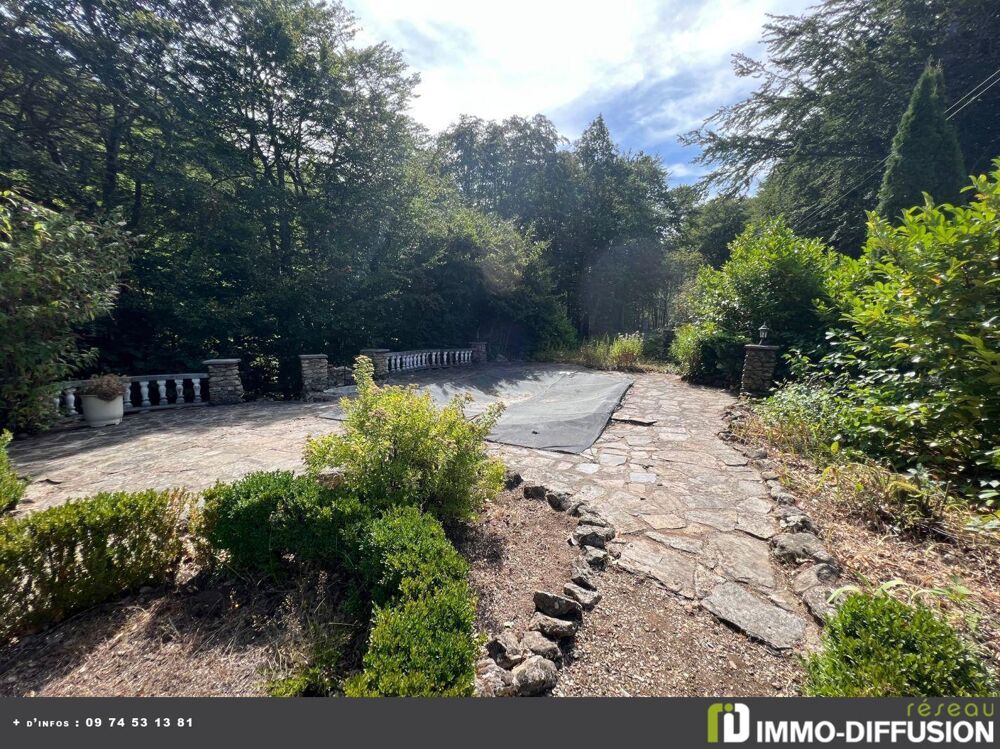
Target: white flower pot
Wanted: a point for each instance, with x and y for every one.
(101, 413)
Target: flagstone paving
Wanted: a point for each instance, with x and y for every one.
(688, 510)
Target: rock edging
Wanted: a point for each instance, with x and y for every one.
(799, 544)
(528, 665)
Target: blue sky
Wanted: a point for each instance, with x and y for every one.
(653, 68)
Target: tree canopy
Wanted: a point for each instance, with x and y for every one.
(281, 198)
(832, 88)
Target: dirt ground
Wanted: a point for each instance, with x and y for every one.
(640, 640)
(873, 556)
(223, 640)
(518, 546)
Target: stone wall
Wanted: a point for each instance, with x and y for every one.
(315, 375)
(478, 351)
(380, 359)
(339, 375)
(758, 369)
(224, 384)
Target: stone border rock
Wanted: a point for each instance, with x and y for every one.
(799, 544)
(529, 665)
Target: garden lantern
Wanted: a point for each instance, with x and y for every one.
(763, 330)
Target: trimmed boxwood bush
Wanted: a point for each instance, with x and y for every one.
(421, 647)
(66, 558)
(877, 646)
(265, 516)
(406, 553)
(398, 448)
(11, 487)
(422, 641)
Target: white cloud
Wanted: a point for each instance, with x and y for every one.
(522, 57)
(680, 169)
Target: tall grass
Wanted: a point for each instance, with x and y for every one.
(623, 352)
(806, 421)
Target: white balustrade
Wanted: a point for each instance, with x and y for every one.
(408, 361)
(155, 398)
(67, 402)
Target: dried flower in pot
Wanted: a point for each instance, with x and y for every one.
(103, 399)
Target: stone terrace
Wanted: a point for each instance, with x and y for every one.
(688, 509)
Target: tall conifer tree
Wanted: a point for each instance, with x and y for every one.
(925, 154)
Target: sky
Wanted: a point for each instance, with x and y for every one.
(654, 68)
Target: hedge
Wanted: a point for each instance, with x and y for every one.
(422, 641)
(265, 516)
(64, 559)
(421, 647)
(877, 646)
(707, 355)
(11, 487)
(405, 553)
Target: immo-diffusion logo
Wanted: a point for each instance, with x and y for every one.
(734, 718)
(950, 722)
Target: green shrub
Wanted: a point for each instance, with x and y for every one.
(399, 449)
(656, 344)
(919, 347)
(626, 351)
(772, 276)
(422, 641)
(877, 646)
(66, 558)
(11, 487)
(421, 647)
(267, 515)
(805, 416)
(707, 355)
(406, 553)
(57, 274)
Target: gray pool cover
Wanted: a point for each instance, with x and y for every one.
(551, 407)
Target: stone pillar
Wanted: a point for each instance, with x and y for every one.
(478, 351)
(224, 384)
(315, 376)
(380, 359)
(758, 369)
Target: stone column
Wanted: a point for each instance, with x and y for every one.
(224, 384)
(758, 369)
(315, 376)
(380, 359)
(478, 351)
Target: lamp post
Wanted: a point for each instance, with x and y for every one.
(758, 366)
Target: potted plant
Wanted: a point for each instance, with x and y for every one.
(103, 400)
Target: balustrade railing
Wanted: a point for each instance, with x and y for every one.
(143, 393)
(407, 361)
